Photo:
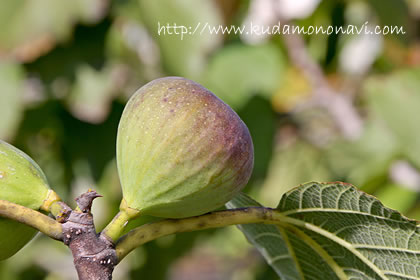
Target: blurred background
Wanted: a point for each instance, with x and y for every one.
(338, 107)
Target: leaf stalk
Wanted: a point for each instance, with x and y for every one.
(149, 232)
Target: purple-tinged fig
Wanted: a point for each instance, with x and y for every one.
(21, 182)
(181, 151)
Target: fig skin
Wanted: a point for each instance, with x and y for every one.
(21, 182)
(181, 151)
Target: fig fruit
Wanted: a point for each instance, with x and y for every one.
(21, 182)
(181, 151)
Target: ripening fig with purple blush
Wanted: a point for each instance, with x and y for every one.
(181, 151)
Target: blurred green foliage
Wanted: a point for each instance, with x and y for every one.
(67, 69)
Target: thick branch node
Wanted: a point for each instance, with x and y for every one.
(94, 256)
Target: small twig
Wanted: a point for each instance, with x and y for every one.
(339, 106)
(32, 218)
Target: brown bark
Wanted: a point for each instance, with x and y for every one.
(94, 255)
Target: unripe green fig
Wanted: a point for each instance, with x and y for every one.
(181, 151)
(21, 182)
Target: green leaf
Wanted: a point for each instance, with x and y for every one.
(392, 13)
(186, 55)
(238, 72)
(291, 165)
(30, 28)
(365, 161)
(11, 107)
(270, 241)
(335, 231)
(91, 97)
(395, 99)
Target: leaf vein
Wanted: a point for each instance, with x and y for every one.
(340, 211)
(403, 250)
(339, 197)
(340, 241)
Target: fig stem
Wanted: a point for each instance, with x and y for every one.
(53, 204)
(32, 218)
(152, 231)
(114, 229)
(60, 211)
(52, 197)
